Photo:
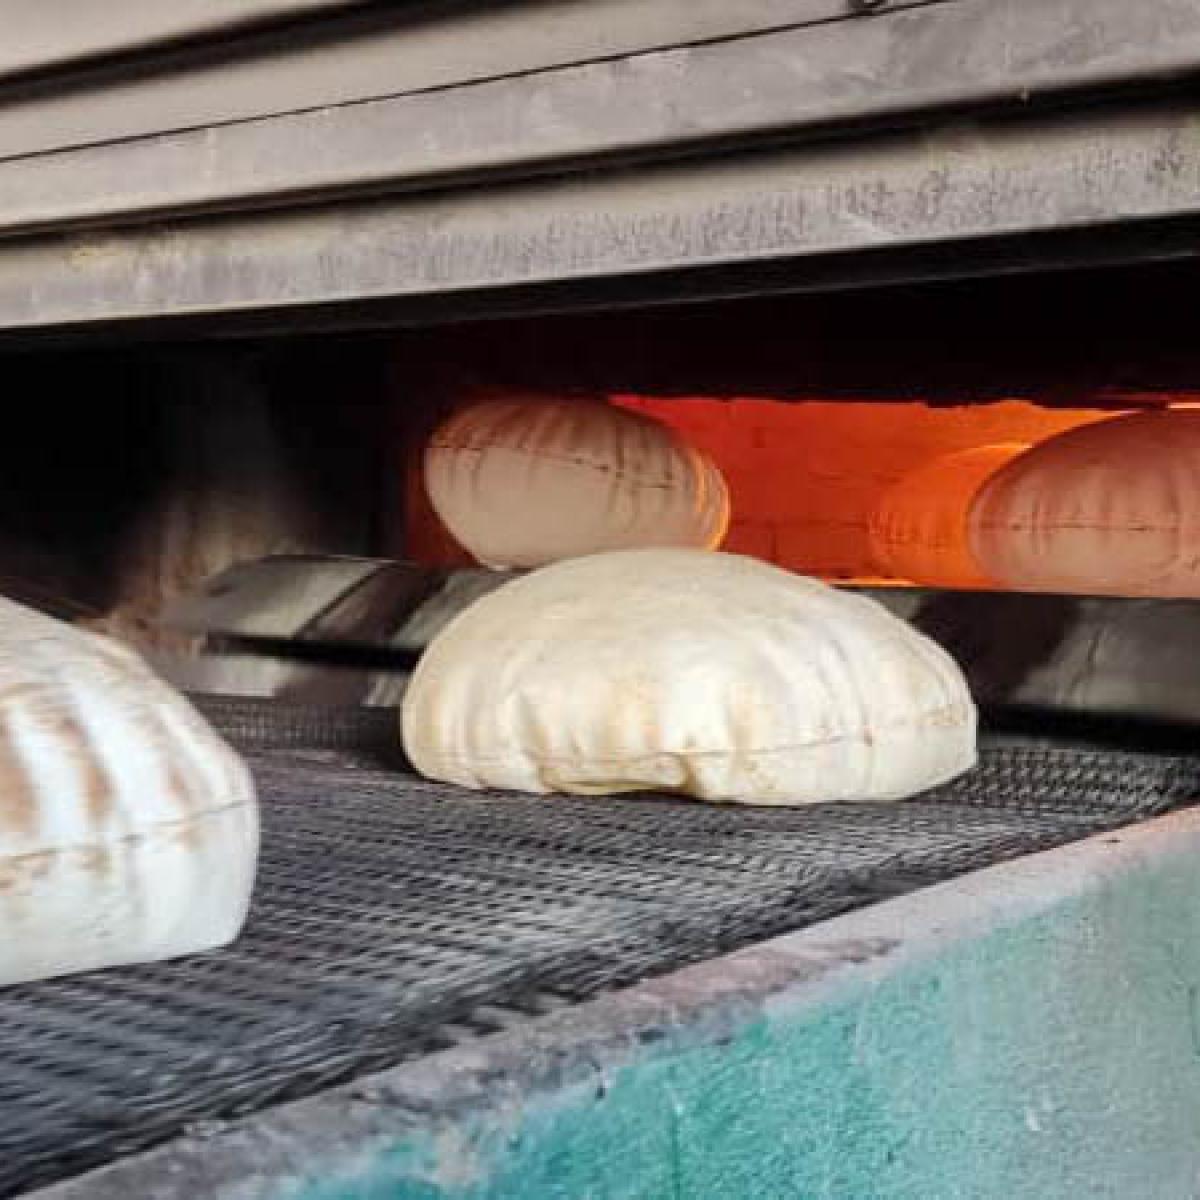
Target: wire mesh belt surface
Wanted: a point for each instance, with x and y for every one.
(389, 910)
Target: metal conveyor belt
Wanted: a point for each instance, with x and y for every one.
(394, 916)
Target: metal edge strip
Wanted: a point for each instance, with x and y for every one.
(953, 185)
(42, 37)
(371, 52)
(907, 60)
(306, 1143)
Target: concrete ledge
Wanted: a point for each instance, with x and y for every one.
(1032, 1030)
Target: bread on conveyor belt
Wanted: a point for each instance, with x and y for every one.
(1111, 508)
(128, 828)
(527, 480)
(918, 527)
(708, 674)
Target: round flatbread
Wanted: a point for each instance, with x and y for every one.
(1111, 508)
(128, 828)
(918, 528)
(707, 674)
(526, 481)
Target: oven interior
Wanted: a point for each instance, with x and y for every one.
(143, 467)
(395, 916)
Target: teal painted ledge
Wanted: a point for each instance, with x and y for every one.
(1028, 1031)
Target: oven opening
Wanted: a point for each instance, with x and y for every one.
(600, 598)
(853, 432)
(399, 918)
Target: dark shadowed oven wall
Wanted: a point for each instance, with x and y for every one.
(138, 472)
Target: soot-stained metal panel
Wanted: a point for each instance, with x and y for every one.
(805, 208)
(907, 62)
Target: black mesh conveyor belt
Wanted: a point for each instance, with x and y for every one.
(389, 908)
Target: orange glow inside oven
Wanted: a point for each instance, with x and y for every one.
(804, 477)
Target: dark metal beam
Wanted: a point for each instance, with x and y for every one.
(342, 53)
(898, 66)
(1071, 173)
(41, 37)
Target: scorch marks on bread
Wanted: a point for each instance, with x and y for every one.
(128, 828)
(526, 480)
